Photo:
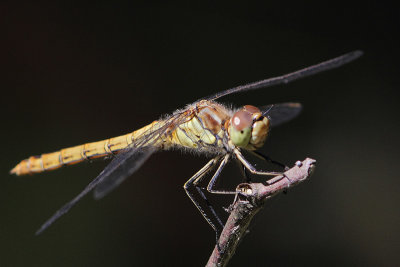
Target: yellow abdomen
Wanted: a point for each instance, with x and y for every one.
(76, 154)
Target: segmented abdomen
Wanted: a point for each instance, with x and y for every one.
(76, 154)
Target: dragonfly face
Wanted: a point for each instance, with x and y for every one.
(248, 128)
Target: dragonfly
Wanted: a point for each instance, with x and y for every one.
(205, 126)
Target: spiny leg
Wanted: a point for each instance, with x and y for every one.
(214, 180)
(210, 206)
(251, 168)
(242, 169)
(267, 158)
(193, 182)
(215, 177)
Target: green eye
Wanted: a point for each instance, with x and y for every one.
(240, 131)
(240, 138)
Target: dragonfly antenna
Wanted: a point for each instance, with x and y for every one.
(268, 110)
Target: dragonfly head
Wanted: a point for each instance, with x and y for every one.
(248, 128)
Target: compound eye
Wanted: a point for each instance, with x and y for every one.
(252, 109)
(242, 120)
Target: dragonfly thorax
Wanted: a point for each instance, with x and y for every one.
(248, 128)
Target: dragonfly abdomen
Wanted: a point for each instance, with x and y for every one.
(72, 155)
(76, 154)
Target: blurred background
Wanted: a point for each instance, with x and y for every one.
(78, 73)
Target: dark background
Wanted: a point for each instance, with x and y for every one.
(74, 74)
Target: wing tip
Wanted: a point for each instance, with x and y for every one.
(294, 105)
(357, 53)
(42, 228)
(351, 56)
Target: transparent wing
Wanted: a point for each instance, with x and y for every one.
(122, 166)
(308, 71)
(281, 113)
(126, 164)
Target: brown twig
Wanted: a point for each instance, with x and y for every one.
(249, 200)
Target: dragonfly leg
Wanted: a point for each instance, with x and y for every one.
(215, 177)
(208, 219)
(267, 158)
(199, 176)
(193, 182)
(250, 167)
(242, 169)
